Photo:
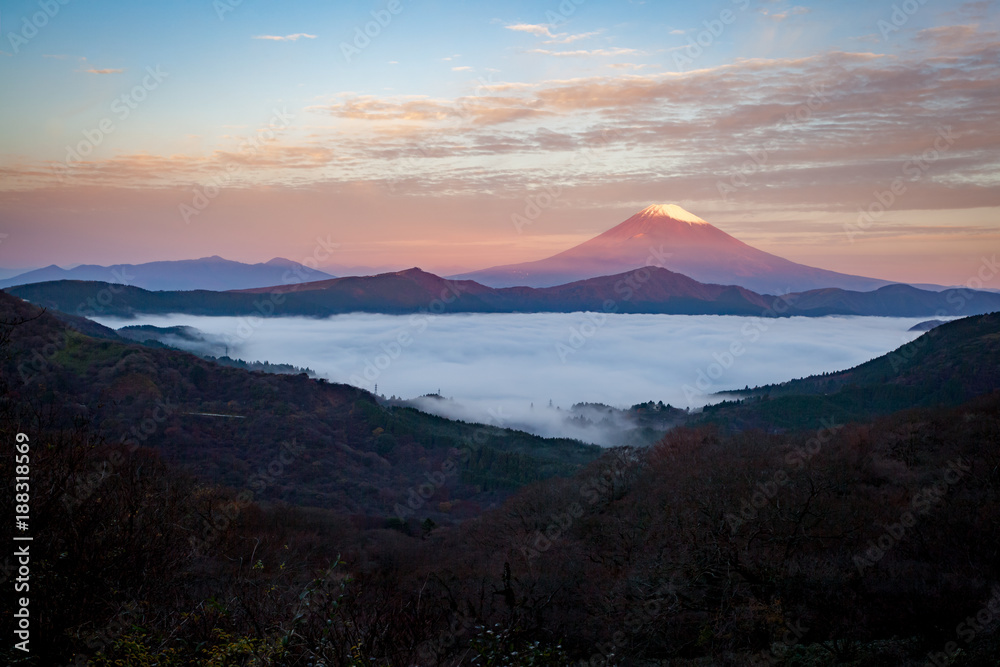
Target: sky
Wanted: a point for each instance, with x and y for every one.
(531, 359)
(855, 136)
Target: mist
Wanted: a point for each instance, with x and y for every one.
(527, 371)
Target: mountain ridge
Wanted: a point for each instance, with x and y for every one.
(213, 272)
(686, 243)
(650, 290)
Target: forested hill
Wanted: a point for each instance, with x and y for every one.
(229, 426)
(645, 290)
(841, 543)
(948, 365)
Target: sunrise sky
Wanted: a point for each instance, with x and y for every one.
(137, 131)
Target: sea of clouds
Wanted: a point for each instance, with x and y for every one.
(505, 369)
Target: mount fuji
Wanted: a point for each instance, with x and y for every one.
(667, 235)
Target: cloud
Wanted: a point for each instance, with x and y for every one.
(584, 53)
(463, 68)
(633, 66)
(542, 30)
(285, 38)
(530, 28)
(619, 363)
(103, 71)
(781, 16)
(483, 110)
(949, 37)
(565, 38)
(691, 130)
(977, 11)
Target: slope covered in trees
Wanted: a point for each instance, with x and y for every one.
(288, 437)
(644, 290)
(866, 543)
(947, 365)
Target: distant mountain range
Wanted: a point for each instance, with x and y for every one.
(293, 470)
(666, 235)
(647, 290)
(211, 273)
(662, 235)
(10, 273)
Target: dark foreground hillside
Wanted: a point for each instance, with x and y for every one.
(285, 437)
(868, 543)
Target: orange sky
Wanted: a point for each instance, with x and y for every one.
(782, 134)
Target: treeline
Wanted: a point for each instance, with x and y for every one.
(260, 366)
(325, 529)
(850, 544)
(230, 427)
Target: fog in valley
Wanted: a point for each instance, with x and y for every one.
(527, 370)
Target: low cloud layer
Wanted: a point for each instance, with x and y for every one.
(504, 369)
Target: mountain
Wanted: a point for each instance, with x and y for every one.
(893, 300)
(323, 523)
(358, 269)
(667, 235)
(952, 363)
(211, 273)
(226, 425)
(648, 290)
(926, 326)
(10, 273)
